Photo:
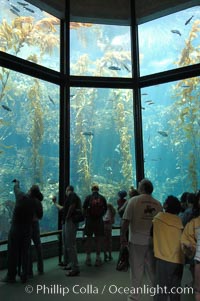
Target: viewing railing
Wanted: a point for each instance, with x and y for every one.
(58, 233)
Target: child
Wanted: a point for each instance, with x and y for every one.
(109, 219)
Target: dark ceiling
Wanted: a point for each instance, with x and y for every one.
(112, 11)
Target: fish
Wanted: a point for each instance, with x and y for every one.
(185, 86)
(127, 69)
(89, 133)
(22, 4)
(188, 21)
(155, 160)
(51, 100)
(15, 8)
(151, 103)
(148, 101)
(14, 12)
(109, 168)
(29, 9)
(176, 31)
(163, 133)
(114, 68)
(6, 108)
(143, 94)
(117, 148)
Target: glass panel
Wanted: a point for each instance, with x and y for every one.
(100, 50)
(29, 134)
(29, 33)
(175, 44)
(102, 142)
(171, 129)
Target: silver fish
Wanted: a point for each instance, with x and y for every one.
(6, 108)
(114, 68)
(176, 31)
(188, 21)
(162, 133)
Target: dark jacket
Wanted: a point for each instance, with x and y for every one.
(26, 206)
(71, 199)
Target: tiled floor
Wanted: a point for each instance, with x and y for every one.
(102, 283)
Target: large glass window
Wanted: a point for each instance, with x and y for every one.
(29, 143)
(102, 140)
(171, 129)
(100, 50)
(170, 42)
(29, 33)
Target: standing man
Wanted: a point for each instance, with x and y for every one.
(138, 218)
(65, 263)
(94, 208)
(72, 203)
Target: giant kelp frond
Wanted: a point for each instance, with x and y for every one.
(119, 59)
(37, 129)
(81, 66)
(191, 52)
(185, 110)
(48, 43)
(122, 126)
(25, 30)
(46, 25)
(77, 25)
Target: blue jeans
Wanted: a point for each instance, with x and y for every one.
(70, 240)
(65, 253)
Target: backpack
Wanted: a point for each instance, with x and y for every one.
(96, 206)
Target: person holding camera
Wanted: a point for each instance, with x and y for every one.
(19, 238)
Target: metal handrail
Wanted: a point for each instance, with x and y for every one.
(51, 233)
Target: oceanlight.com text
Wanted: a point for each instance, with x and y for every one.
(112, 289)
(150, 290)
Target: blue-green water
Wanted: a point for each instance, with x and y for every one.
(102, 147)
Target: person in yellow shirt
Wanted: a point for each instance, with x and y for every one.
(167, 230)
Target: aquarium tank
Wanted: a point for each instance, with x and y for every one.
(102, 134)
(29, 120)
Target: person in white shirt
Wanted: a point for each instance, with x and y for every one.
(138, 218)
